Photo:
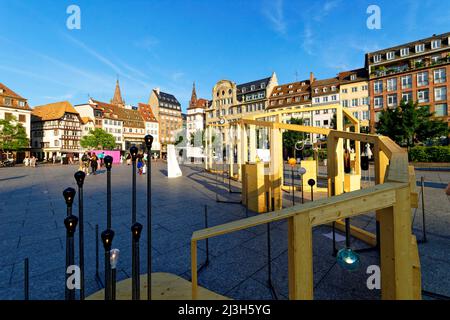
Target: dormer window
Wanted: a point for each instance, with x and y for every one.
(390, 55)
(404, 52)
(436, 44)
(377, 58)
(1, 91)
(333, 88)
(316, 90)
(420, 48)
(353, 77)
(279, 88)
(243, 89)
(290, 86)
(263, 85)
(324, 90)
(303, 83)
(252, 87)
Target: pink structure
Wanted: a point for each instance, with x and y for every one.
(113, 153)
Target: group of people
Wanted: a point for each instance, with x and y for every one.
(140, 162)
(89, 160)
(30, 161)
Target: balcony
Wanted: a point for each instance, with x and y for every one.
(385, 71)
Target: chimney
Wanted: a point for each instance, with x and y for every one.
(311, 77)
(157, 90)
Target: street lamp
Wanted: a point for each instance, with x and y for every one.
(69, 195)
(70, 223)
(311, 183)
(79, 178)
(301, 172)
(108, 164)
(113, 260)
(292, 162)
(136, 230)
(107, 238)
(148, 142)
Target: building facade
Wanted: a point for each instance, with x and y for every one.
(167, 111)
(231, 101)
(55, 130)
(195, 121)
(416, 71)
(13, 106)
(354, 94)
(151, 126)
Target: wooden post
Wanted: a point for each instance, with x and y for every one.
(206, 151)
(276, 164)
(239, 150)
(300, 258)
(252, 143)
(231, 150)
(194, 269)
(395, 255)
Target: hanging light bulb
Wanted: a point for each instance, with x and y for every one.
(348, 259)
(114, 257)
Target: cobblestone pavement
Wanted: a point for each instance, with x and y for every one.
(32, 211)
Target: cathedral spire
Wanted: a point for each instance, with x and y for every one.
(193, 101)
(117, 99)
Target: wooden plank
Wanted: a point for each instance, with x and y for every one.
(358, 233)
(194, 270)
(301, 128)
(321, 211)
(368, 138)
(417, 277)
(265, 114)
(387, 265)
(301, 258)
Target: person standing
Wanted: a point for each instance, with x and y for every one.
(85, 160)
(140, 165)
(101, 156)
(94, 163)
(54, 158)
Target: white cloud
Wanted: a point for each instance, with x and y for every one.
(274, 12)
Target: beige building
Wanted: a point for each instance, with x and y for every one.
(55, 130)
(354, 93)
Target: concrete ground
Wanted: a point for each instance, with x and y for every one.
(32, 211)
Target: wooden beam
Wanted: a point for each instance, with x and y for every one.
(194, 269)
(321, 211)
(300, 128)
(300, 257)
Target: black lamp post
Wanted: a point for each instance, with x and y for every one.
(148, 143)
(71, 224)
(108, 164)
(311, 183)
(134, 152)
(301, 172)
(79, 178)
(136, 230)
(69, 195)
(107, 238)
(113, 260)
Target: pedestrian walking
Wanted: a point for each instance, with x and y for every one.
(94, 163)
(54, 158)
(140, 165)
(101, 156)
(86, 160)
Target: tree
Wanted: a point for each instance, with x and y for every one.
(333, 122)
(98, 138)
(197, 138)
(290, 138)
(410, 124)
(13, 135)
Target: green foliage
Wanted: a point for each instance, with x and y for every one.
(430, 154)
(98, 138)
(409, 124)
(13, 135)
(290, 138)
(334, 121)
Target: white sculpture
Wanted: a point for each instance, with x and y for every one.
(173, 169)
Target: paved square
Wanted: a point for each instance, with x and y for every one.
(32, 210)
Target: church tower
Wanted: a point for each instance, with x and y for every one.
(117, 99)
(193, 101)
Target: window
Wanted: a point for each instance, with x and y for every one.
(365, 87)
(365, 100)
(378, 86)
(404, 52)
(353, 77)
(56, 143)
(8, 116)
(325, 111)
(333, 97)
(8, 101)
(317, 100)
(317, 123)
(439, 76)
(263, 85)
(333, 88)
(392, 100)
(420, 48)
(325, 122)
(355, 89)
(391, 84)
(316, 90)
(22, 103)
(436, 44)
(317, 112)
(354, 102)
(365, 115)
(356, 114)
(252, 87)
(407, 82)
(440, 110)
(390, 55)
(378, 102)
(22, 118)
(324, 89)
(345, 103)
(55, 132)
(422, 79)
(325, 99)
(344, 90)
(376, 58)
(423, 96)
(407, 96)
(440, 94)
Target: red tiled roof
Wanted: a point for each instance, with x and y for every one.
(146, 112)
(7, 92)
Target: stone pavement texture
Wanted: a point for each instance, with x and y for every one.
(32, 211)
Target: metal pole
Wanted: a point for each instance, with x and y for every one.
(26, 283)
(107, 238)
(113, 284)
(149, 142)
(422, 186)
(293, 186)
(206, 241)
(79, 178)
(108, 198)
(301, 182)
(136, 230)
(96, 252)
(347, 232)
(70, 223)
(312, 193)
(334, 239)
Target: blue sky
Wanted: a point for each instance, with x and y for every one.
(170, 44)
